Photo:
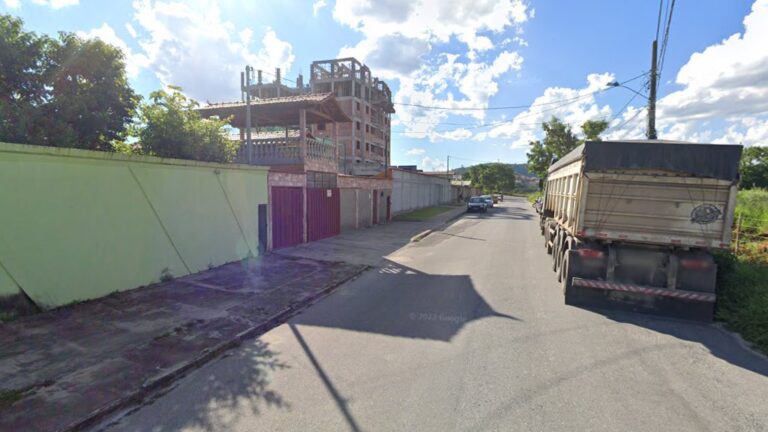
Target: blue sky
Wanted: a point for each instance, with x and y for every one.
(462, 54)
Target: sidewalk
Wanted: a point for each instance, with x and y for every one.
(368, 246)
(61, 367)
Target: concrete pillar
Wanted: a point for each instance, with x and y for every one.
(303, 132)
(334, 136)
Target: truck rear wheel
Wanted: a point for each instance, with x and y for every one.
(566, 273)
(556, 252)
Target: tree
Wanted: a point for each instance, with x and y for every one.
(754, 168)
(593, 128)
(539, 159)
(169, 127)
(90, 99)
(65, 92)
(558, 140)
(22, 87)
(492, 177)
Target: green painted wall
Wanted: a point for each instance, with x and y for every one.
(77, 224)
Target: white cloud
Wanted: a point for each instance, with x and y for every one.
(415, 152)
(190, 45)
(726, 79)
(725, 84)
(572, 106)
(56, 4)
(12, 4)
(398, 41)
(133, 61)
(452, 135)
(131, 30)
(317, 5)
(430, 164)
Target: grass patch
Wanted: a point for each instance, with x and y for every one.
(532, 197)
(742, 302)
(423, 214)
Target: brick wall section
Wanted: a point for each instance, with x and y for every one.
(357, 182)
(286, 179)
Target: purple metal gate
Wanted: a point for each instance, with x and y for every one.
(375, 206)
(323, 213)
(287, 216)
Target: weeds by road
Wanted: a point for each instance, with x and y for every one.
(423, 214)
(743, 275)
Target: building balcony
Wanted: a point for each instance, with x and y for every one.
(286, 151)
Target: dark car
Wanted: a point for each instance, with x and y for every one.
(478, 204)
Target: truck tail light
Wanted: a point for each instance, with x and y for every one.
(694, 264)
(590, 253)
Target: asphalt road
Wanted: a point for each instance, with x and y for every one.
(467, 330)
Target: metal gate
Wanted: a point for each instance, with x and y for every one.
(323, 213)
(287, 216)
(375, 206)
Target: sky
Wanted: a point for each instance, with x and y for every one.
(489, 71)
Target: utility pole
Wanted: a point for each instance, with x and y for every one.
(249, 150)
(651, 133)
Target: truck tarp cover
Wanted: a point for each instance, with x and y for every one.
(698, 160)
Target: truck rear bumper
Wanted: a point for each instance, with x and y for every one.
(690, 305)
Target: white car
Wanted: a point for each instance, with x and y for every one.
(488, 199)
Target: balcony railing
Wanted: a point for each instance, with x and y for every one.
(286, 151)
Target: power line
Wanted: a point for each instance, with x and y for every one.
(666, 37)
(658, 20)
(562, 104)
(637, 113)
(444, 108)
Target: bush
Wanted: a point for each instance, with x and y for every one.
(743, 300)
(532, 197)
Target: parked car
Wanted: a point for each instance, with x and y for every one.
(488, 199)
(478, 204)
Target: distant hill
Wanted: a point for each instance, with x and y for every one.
(520, 168)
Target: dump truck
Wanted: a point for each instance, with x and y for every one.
(632, 225)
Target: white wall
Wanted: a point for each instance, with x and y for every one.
(411, 191)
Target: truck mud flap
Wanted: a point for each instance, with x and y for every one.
(681, 304)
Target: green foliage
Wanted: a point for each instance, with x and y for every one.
(22, 89)
(169, 127)
(752, 206)
(65, 92)
(558, 140)
(754, 168)
(532, 197)
(492, 177)
(743, 278)
(743, 299)
(593, 128)
(539, 159)
(423, 214)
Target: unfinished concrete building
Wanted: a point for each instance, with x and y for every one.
(365, 141)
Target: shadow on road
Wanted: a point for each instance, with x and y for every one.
(341, 402)
(238, 389)
(405, 303)
(717, 341)
(503, 212)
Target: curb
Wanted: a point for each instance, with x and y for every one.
(155, 384)
(420, 236)
(748, 346)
